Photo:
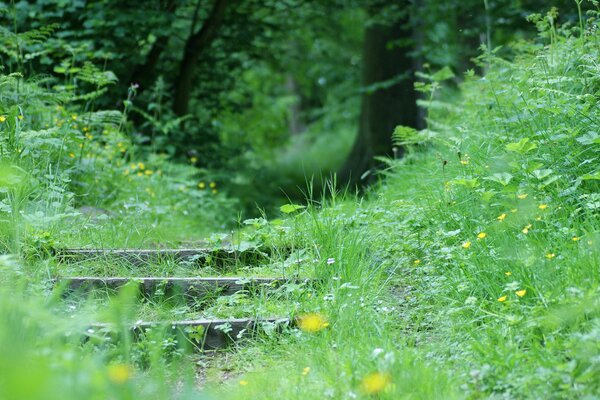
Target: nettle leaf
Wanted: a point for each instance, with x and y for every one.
(589, 138)
(542, 173)
(503, 178)
(466, 182)
(523, 146)
(290, 208)
(592, 176)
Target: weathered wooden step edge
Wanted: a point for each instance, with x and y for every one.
(216, 333)
(140, 256)
(189, 286)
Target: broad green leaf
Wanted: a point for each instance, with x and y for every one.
(589, 138)
(523, 146)
(11, 176)
(443, 74)
(503, 178)
(290, 208)
(542, 173)
(592, 176)
(466, 182)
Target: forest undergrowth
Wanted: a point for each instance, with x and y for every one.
(470, 271)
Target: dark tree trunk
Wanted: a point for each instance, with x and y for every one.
(196, 44)
(145, 74)
(385, 108)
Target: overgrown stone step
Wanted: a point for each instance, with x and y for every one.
(190, 287)
(201, 256)
(201, 333)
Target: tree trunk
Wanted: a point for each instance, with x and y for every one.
(295, 122)
(386, 107)
(196, 44)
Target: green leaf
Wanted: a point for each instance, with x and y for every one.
(592, 176)
(523, 146)
(503, 178)
(11, 176)
(290, 208)
(443, 74)
(542, 173)
(466, 182)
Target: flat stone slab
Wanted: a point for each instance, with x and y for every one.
(201, 333)
(189, 287)
(202, 256)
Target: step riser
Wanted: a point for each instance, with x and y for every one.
(200, 257)
(191, 288)
(212, 337)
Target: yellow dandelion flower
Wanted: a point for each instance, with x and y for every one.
(141, 165)
(193, 160)
(538, 218)
(543, 206)
(20, 116)
(508, 273)
(464, 162)
(89, 136)
(502, 299)
(466, 245)
(140, 174)
(501, 217)
(312, 322)
(72, 155)
(132, 166)
(74, 117)
(243, 382)
(550, 256)
(522, 196)
(376, 382)
(305, 371)
(526, 229)
(521, 293)
(575, 238)
(212, 185)
(417, 262)
(481, 235)
(2, 118)
(202, 185)
(85, 129)
(126, 172)
(148, 172)
(119, 373)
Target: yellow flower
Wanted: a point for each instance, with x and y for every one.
(20, 116)
(417, 262)
(481, 235)
(550, 256)
(202, 185)
(74, 117)
(543, 206)
(215, 191)
(243, 382)
(212, 185)
(521, 293)
(575, 238)
(508, 273)
(119, 373)
(140, 174)
(464, 162)
(502, 299)
(376, 382)
(148, 172)
(522, 196)
(466, 245)
(141, 165)
(514, 210)
(305, 371)
(501, 217)
(526, 229)
(2, 118)
(89, 136)
(132, 166)
(312, 322)
(72, 155)
(538, 218)
(193, 160)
